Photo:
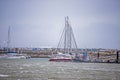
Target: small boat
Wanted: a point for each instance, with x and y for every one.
(60, 57)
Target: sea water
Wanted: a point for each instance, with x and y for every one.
(42, 69)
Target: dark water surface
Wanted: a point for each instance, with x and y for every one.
(42, 69)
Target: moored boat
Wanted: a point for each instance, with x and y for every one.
(67, 44)
(17, 56)
(61, 57)
(14, 56)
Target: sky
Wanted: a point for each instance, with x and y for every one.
(39, 23)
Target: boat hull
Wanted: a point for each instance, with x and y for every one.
(60, 60)
(14, 56)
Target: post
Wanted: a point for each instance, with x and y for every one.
(117, 57)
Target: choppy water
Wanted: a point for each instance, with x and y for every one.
(42, 69)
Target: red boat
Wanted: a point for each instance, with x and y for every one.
(61, 57)
(66, 44)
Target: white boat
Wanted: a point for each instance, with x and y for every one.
(12, 55)
(16, 56)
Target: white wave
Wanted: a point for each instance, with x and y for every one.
(2, 75)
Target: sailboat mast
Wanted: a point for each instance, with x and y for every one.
(68, 35)
(67, 39)
(65, 36)
(8, 42)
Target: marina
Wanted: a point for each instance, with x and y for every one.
(59, 40)
(66, 50)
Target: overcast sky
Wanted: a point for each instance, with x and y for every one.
(39, 23)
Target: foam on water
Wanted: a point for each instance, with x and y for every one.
(35, 69)
(2, 75)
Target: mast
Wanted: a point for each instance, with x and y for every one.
(8, 41)
(67, 37)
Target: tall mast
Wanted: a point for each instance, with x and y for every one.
(65, 35)
(67, 39)
(68, 36)
(8, 41)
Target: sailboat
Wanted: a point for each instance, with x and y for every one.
(67, 41)
(61, 57)
(10, 54)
